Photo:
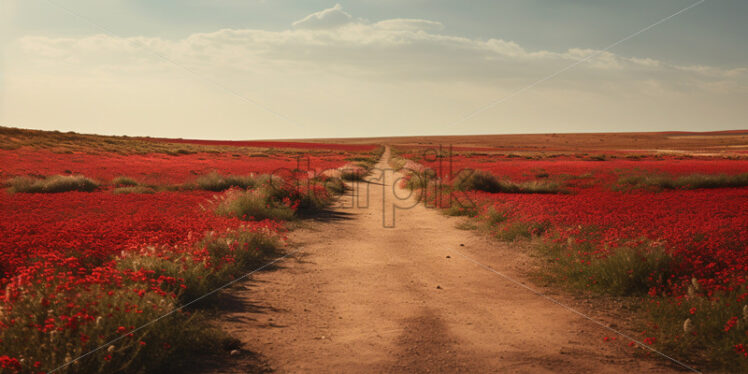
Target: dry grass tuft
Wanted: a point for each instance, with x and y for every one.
(134, 189)
(217, 182)
(123, 181)
(52, 184)
(686, 182)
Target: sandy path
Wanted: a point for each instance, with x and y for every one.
(358, 297)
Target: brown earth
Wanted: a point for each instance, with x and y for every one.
(733, 143)
(355, 296)
(714, 141)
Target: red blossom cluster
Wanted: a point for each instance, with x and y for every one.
(95, 226)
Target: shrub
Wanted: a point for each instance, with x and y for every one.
(217, 182)
(352, 174)
(695, 181)
(123, 181)
(477, 180)
(598, 158)
(334, 185)
(256, 204)
(52, 184)
(482, 181)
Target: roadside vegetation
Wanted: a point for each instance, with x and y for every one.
(86, 269)
(136, 287)
(132, 291)
(682, 273)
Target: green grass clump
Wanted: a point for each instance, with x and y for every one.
(52, 184)
(515, 230)
(623, 271)
(257, 205)
(131, 190)
(477, 180)
(397, 163)
(420, 179)
(458, 208)
(353, 174)
(334, 186)
(123, 181)
(217, 182)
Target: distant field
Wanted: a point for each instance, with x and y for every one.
(720, 141)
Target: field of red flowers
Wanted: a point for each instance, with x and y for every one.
(684, 249)
(78, 269)
(162, 168)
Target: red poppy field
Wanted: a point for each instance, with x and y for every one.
(671, 229)
(111, 246)
(82, 268)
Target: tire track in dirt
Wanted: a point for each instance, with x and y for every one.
(359, 297)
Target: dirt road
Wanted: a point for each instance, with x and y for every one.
(359, 297)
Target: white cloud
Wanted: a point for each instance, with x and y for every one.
(324, 19)
(332, 69)
(399, 49)
(409, 24)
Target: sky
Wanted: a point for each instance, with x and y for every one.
(274, 69)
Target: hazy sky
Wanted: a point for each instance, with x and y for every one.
(244, 69)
